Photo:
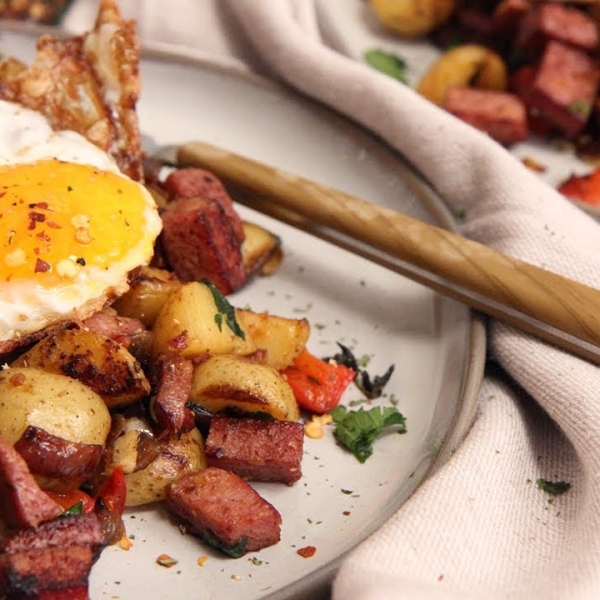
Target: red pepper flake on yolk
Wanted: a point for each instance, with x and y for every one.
(35, 218)
(41, 266)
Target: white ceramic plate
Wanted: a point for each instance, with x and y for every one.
(434, 343)
(353, 29)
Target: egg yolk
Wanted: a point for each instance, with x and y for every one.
(57, 218)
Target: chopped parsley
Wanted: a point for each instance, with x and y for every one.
(235, 550)
(387, 63)
(225, 312)
(357, 429)
(580, 107)
(554, 488)
(72, 511)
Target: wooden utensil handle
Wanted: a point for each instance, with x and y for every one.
(553, 307)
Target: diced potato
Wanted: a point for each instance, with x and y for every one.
(178, 457)
(95, 360)
(62, 406)
(191, 324)
(234, 382)
(281, 338)
(127, 446)
(259, 248)
(147, 293)
(413, 18)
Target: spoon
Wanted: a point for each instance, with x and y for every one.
(550, 306)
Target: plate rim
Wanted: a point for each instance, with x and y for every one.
(318, 582)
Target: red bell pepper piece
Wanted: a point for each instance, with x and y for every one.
(317, 384)
(113, 491)
(70, 499)
(585, 188)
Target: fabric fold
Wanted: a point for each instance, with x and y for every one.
(480, 526)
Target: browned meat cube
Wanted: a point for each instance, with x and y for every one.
(564, 88)
(174, 383)
(80, 592)
(521, 83)
(81, 530)
(190, 182)
(555, 21)
(508, 14)
(30, 573)
(255, 449)
(477, 24)
(199, 242)
(222, 509)
(503, 116)
(52, 456)
(22, 502)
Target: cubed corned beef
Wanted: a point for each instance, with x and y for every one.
(565, 87)
(82, 530)
(555, 21)
(190, 182)
(29, 573)
(22, 502)
(257, 450)
(199, 242)
(225, 511)
(508, 14)
(477, 24)
(174, 383)
(501, 115)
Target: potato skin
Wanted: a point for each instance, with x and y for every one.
(223, 382)
(281, 338)
(412, 18)
(178, 457)
(56, 403)
(147, 293)
(97, 361)
(187, 324)
(467, 65)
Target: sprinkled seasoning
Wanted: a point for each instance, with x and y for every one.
(164, 560)
(307, 551)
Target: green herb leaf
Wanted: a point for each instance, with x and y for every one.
(358, 429)
(554, 488)
(235, 550)
(225, 311)
(580, 107)
(387, 63)
(76, 509)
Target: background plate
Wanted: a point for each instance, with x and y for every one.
(435, 344)
(352, 28)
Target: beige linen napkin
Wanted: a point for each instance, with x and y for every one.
(479, 527)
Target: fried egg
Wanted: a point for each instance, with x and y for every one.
(72, 226)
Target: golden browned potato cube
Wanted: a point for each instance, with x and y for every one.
(234, 382)
(281, 338)
(191, 324)
(95, 360)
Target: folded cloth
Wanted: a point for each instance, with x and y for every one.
(479, 527)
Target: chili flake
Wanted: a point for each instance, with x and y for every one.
(307, 551)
